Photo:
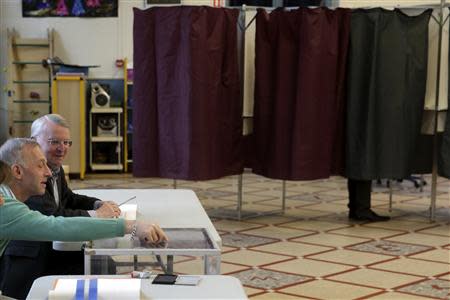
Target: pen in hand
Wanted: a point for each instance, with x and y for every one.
(127, 201)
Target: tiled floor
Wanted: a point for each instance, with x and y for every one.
(313, 251)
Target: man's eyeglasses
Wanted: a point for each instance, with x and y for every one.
(55, 142)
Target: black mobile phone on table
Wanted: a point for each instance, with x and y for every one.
(165, 279)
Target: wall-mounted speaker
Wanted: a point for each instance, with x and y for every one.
(99, 97)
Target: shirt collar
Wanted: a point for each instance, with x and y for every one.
(55, 172)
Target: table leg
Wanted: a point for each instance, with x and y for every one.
(212, 265)
(135, 262)
(169, 264)
(87, 264)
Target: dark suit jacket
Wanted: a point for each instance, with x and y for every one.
(71, 204)
(24, 261)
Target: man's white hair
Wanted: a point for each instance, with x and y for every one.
(11, 152)
(38, 125)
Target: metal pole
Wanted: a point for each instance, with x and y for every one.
(241, 55)
(283, 197)
(169, 266)
(239, 204)
(390, 195)
(436, 107)
(422, 183)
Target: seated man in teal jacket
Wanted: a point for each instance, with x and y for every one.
(29, 174)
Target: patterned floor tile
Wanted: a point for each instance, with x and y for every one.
(305, 213)
(348, 257)
(303, 189)
(277, 296)
(227, 249)
(252, 258)
(309, 267)
(214, 193)
(410, 208)
(314, 198)
(374, 278)
(274, 220)
(266, 279)
(324, 289)
(435, 288)
(250, 198)
(398, 224)
(340, 192)
(445, 277)
(292, 248)
(251, 291)
(278, 232)
(388, 295)
(231, 213)
(210, 203)
(196, 266)
(243, 240)
(367, 232)
(396, 296)
(414, 267)
(438, 255)
(330, 207)
(278, 203)
(200, 185)
(389, 248)
(333, 240)
(422, 238)
(260, 189)
(395, 197)
(443, 230)
(313, 225)
(261, 207)
(232, 226)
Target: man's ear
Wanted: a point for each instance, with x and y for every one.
(16, 171)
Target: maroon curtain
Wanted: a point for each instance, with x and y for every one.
(187, 107)
(299, 92)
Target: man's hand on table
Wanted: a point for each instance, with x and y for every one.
(108, 209)
(150, 233)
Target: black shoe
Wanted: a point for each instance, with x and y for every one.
(368, 215)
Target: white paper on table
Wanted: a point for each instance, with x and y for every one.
(128, 211)
(187, 280)
(64, 290)
(119, 289)
(110, 289)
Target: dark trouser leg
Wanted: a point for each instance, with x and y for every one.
(359, 195)
(65, 263)
(16, 276)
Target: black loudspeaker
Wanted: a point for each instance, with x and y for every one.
(99, 97)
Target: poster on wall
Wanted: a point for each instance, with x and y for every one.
(70, 8)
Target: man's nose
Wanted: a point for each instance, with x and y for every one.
(48, 172)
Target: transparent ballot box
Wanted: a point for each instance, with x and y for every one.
(99, 254)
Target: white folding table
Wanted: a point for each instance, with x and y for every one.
(170, 209)
(209, 287)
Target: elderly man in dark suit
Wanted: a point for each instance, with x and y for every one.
(25, 261)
